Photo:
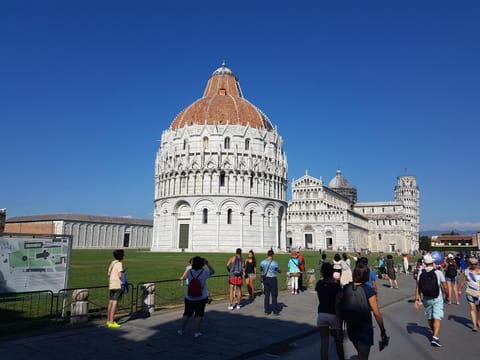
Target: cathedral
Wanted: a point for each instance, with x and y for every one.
(328, 217)
(221, 183)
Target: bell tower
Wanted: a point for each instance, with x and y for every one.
(407, 192)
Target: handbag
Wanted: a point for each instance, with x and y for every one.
(470, 290)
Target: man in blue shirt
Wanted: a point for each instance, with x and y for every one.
(270, 268)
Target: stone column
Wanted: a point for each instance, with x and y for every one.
(79, 306)
(148, 298)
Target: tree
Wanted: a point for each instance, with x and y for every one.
(425, 243)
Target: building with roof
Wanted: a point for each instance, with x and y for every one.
(88, 231)
(457, 242)
(329, 217)
(220, 175)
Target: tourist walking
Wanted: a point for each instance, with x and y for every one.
(418, 268)
(406, 263)
(391, 273)
(346, 275)
(323, 260)
(381, 265)
(428, 292)
(250, 274)
(293, 266)
(357, 303)
(329, 293)
(115, 271)
(471, 278)
(270, 268)
(451, 270)
(337, 267)
(196, 294)
(235, 267)
(302, 270)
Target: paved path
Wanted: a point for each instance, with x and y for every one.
(246, 333)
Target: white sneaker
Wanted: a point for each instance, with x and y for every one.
(230, 307)
(197, 335)
(238, 306)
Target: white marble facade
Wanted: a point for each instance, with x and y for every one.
(319, 217)
(220, 184)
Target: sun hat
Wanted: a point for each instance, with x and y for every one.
(428, 259)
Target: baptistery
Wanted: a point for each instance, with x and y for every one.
(220, 175)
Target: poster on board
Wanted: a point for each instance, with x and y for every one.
(34, 262)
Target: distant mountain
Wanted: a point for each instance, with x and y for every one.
(431, 233)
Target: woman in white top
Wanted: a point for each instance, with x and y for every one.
(471, 277)
(346, 276)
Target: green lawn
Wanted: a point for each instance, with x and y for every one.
(89, 267)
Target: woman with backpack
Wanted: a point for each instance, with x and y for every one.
(358, 302)
(196, 294)
(451, 278)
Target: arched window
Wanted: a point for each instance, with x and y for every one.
(205, 216)
(222, 178)
(185, 141)
(205, 142)
(379, 236)
(226, 143)
(251, 217)
(229, 216)
(247, 144)
(269, 219)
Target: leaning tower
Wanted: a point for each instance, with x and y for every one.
(407, 192)
(220, 175)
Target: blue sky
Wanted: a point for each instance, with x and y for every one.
(374, 88)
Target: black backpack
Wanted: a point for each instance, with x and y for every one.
(354, 307)
(451, 270)
(428, 284)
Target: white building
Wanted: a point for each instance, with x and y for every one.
(220, 175)
(87, 231)
(329, 217)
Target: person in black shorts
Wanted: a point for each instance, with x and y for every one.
(250, 274)
(196, 305)
(329, 293)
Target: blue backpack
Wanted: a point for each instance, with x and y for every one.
(124, 281)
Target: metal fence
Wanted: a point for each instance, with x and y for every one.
(28, 307)
(23, 309)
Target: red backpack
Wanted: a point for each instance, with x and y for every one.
(195, 286)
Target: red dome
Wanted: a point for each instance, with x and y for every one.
(222, 103)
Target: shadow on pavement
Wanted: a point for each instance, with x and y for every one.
(461, 320)
(414, 328)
